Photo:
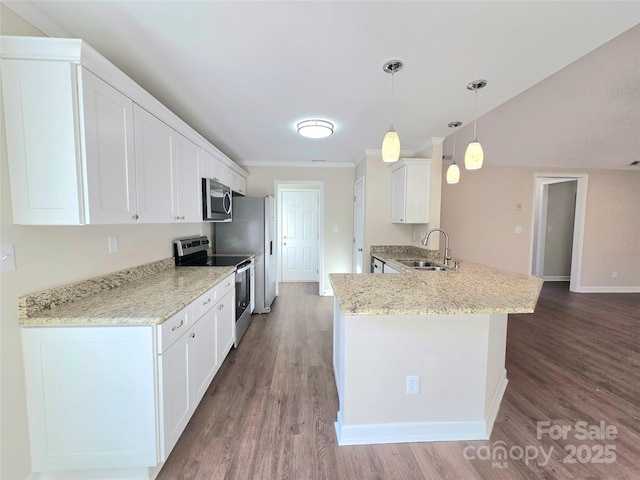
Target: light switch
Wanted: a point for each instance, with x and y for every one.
(519, 229)
(335, 229)
(8, 258)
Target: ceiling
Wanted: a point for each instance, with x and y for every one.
(244, 73)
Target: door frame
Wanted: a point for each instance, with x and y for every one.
(278, 187)
(538, 220)
(355, 225)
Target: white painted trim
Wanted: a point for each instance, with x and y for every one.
(278, 186)
(327, 293)
(608, 289)
(409, 432)
(556, 278)
(491, 412)
(539, 181)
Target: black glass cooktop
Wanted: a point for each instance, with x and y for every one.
(213, 261)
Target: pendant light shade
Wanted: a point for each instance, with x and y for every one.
(391, 141)
(474, 156)
(391, 146)
(453, 172)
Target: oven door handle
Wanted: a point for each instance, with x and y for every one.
(244, 268)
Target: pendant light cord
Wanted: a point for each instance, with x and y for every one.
(392, 112)
(475, 116)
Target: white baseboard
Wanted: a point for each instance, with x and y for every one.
(556, 278)
(327, 293)
(494, 406)
(608, 289)
(409, 432)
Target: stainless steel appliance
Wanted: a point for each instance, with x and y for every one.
(253, 231)
(216, 201)
(192, 252)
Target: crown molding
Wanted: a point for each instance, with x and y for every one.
(255, 163)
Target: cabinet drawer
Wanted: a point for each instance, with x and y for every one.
(205, 302)
(173, 328)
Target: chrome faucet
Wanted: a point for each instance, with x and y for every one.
(447, 255)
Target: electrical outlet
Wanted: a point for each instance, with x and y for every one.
(615, 274)
(113, 243)
(413, 384)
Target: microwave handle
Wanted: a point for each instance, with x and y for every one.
(271, 247)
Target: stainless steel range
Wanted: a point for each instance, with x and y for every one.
(193, 252)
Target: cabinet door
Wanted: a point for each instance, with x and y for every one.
(40, 103)
(205, 358)
(90, 397)
(387, 269)
(156, 179)
(176, 402)
(109, 148)
(189, 184)
(225, 322)
(238, 183)
(398, 195)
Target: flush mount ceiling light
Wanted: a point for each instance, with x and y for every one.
(315, 128)
(474, 155)
(391, 141)
(453, 172)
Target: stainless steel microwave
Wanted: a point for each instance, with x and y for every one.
(216, 201)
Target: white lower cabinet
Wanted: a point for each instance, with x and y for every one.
(387, 269)
(112, 401)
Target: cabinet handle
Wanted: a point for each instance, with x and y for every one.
(208, 300)
(177, 218)
(221, 307)
(181, 218)
(135, 217)
(178, 326)
(193, 335)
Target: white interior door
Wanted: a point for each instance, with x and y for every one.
(299, 236)
(358, 227)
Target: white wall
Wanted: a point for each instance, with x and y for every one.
(338, 208)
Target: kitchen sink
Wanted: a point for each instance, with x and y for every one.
(416, 263)
(424, 265)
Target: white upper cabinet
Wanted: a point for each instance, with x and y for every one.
(410, 190)
(110, 195)
(238, 183)
(189, 181)
(155, 168)
(40, 115)
(87, 145)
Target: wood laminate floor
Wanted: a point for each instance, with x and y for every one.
(574, 363)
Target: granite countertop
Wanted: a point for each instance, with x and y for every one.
(473, 288)
(145, 295)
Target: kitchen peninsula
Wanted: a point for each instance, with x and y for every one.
(447, 328)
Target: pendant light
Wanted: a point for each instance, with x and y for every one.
(474, 156)
(391, 142)
(453, 172)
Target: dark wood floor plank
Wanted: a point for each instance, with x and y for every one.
(270, 411)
